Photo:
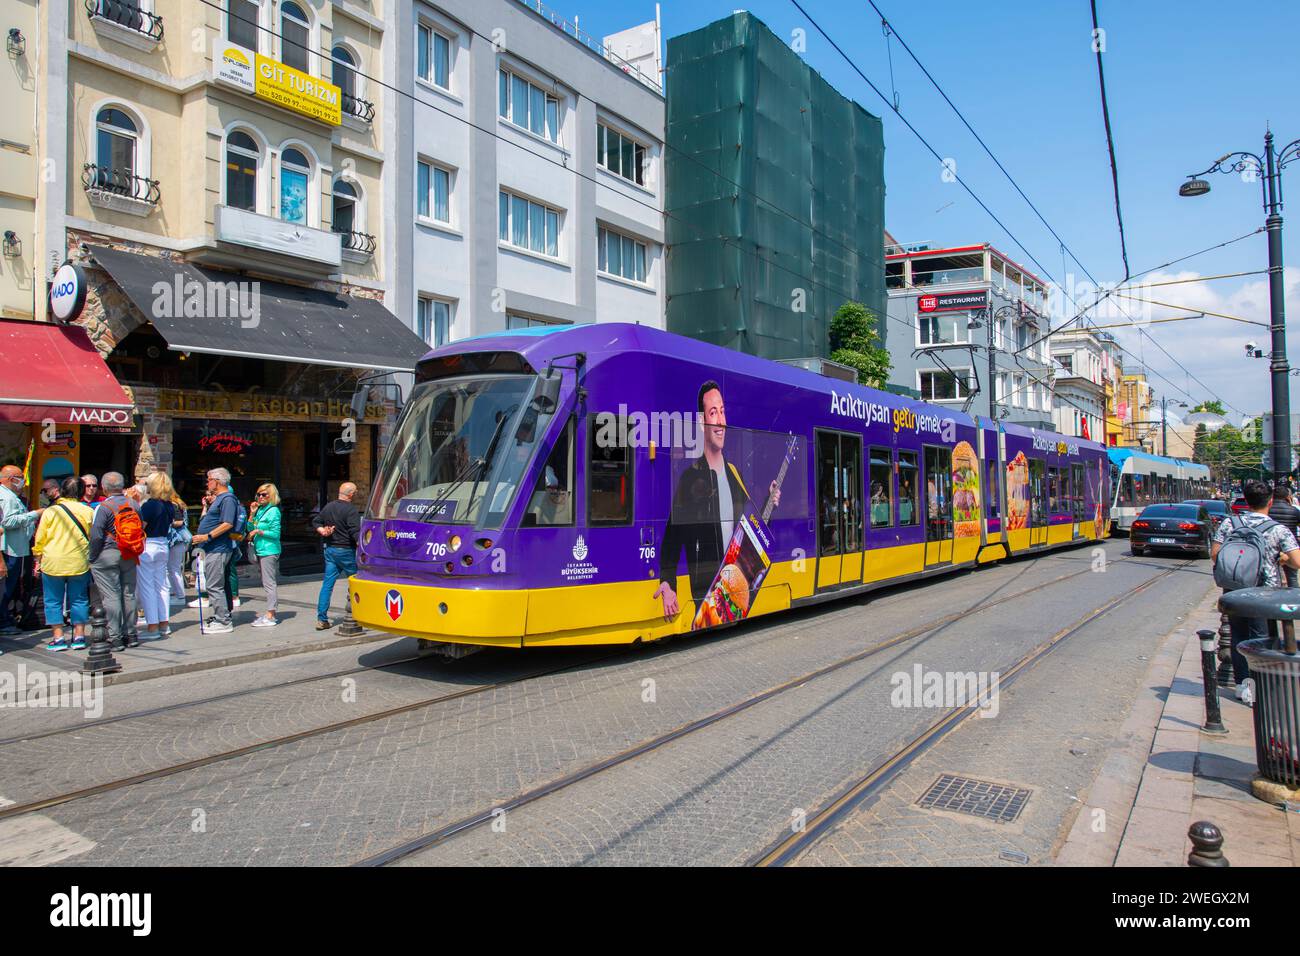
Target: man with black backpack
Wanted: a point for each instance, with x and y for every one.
(1249, 551)
(116, 543)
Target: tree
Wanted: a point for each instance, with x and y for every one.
(1230, 454)
(853, 341)
(1213, 405)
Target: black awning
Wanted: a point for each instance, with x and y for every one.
(207, 310)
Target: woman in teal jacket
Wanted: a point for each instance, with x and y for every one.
(264, 533)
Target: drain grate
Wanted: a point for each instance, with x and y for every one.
(979, 798)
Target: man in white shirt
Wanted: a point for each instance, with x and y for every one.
(19, 524)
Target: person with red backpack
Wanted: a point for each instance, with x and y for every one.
(117, 540)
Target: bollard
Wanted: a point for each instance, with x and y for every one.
(100, 660)
(1207, 845)
(1225, 651)
(1213, 717)
(348, 627)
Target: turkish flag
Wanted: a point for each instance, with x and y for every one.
(1085, 428)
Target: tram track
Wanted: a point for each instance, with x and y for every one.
(486, 816)
(824, 820)
(201, 701)
(247, 692)
(34, 806)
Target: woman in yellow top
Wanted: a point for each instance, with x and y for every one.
(62, 550)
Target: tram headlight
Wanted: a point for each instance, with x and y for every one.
(454, 542)
(483, 543)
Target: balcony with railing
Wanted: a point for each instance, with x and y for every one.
(125, 22)
(120, 189)
(357, 108)
(357, 246)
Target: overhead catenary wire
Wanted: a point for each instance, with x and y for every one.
(1114, 169)
(1045, 271)
(1098, 48)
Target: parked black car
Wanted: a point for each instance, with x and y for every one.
(1217, 508)
(1184, 527)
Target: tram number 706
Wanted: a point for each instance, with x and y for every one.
(435, 549)
(648, 553)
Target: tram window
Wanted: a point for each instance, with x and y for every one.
(1078, 489)
(907, 479)
(551, 503)
(882, 491)
(991, 491)
(609, 479)
(1053, 489)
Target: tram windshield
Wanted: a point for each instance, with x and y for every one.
(460, 451)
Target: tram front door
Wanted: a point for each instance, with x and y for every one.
(839, 510)
(938, 506)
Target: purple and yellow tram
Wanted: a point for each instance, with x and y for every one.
(607, 484)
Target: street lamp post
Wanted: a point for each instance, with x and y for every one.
(1270, 165)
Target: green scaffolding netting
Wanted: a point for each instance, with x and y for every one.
(775, 194)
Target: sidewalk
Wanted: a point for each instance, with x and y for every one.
(1164, 774)
(189, 650)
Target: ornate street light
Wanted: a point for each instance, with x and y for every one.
(1269, 170)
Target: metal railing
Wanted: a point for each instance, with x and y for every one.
(120, 182)
(586, 39)
(127, 15)
(361, 242)
(363, 110)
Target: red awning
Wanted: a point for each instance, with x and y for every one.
(53, 372)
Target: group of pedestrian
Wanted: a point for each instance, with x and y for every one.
(129, 543)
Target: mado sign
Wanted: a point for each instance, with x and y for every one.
(68, 292)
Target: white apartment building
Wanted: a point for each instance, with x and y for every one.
(531, 166)
(1082, 368)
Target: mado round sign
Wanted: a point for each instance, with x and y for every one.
(68, 292)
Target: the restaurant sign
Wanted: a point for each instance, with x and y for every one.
(271, 80)
(953, 301)
(256, 405)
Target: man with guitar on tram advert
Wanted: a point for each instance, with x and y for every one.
(708, 509)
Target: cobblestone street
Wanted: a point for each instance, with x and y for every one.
(685, 781)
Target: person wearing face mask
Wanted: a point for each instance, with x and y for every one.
(18, 523)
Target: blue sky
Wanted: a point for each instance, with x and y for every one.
(1188, 80)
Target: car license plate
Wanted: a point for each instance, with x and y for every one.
(1163, 541)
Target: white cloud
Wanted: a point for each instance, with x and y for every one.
(1212, 349)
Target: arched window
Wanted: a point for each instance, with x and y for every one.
(345, 75)
(242, 156)
(295, 36)
(347, 206)
(295, 178)
(117, 141)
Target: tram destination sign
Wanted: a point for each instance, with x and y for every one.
(953, 301)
